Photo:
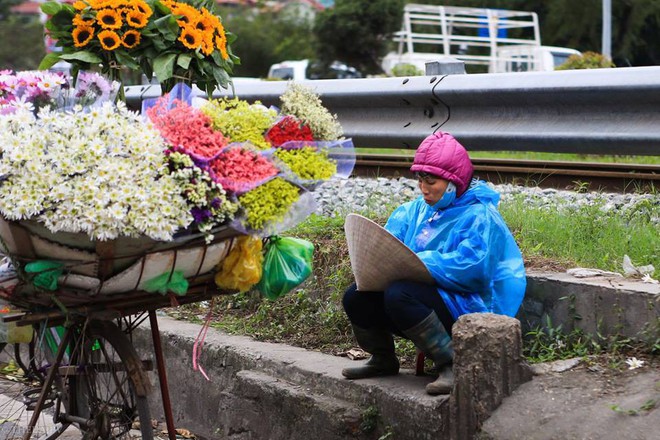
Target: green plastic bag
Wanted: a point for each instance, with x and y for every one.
(287, 263)
(46, 273)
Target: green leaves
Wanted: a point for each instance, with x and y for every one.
(168, 27)
(125, 59)
(49, 61)
(82, 55)
(183, 61)
(161, 7)
(163, 66)
(51, 8)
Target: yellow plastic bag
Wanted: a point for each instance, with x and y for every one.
(241, 269)
(10, 332)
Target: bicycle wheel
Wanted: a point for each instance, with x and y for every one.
(111, 386)
(22, 370)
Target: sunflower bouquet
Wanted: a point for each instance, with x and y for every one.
(177, 41)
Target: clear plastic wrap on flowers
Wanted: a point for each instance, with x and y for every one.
(311, 163)
(273, 207)
(91, 90)
(180, 92)
(30, 90)
(33, 90)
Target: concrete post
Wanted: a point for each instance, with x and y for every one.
(445, 66)
(488, 366)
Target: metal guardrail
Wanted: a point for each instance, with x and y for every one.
(598, 111)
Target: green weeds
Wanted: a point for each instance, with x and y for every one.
(547, 343)
(647, 406)
(587, 236)
(370, 417)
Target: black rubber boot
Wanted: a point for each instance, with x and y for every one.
(383, 362)
(430, 336)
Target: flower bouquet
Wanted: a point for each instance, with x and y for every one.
(265, 157)
(93, 196)
(29, 90)
(111, 201)
(177, 41)
(33, 91)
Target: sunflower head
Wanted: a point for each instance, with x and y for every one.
(189, 16)
(207, 46)
(79, 20)
(79, 5)
(109, 39)
(136, 19)
(82, 35)
(131, 39)
(109, 19)
(190, 37)
(143, 7)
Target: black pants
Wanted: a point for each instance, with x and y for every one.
(400, 307)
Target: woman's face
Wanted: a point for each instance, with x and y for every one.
(432, 187)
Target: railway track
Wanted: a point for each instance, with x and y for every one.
(593, 176)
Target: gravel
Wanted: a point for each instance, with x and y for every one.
(378, 196)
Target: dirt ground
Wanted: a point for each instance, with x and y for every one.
(588, 401)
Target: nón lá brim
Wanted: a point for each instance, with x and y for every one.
(378, 258)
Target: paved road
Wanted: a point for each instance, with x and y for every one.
(14, 418)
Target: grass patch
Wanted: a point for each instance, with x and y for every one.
(592, 236)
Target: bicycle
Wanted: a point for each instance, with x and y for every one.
(82, 369)
(91, 378)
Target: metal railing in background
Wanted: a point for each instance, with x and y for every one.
(598, 111)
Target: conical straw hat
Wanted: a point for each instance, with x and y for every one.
(378, 258)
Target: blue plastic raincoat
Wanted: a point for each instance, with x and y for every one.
(468, 249)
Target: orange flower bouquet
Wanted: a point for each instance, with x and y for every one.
(177, 41)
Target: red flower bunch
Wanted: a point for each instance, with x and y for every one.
(186, 127)
(289, 128)
(238, 169)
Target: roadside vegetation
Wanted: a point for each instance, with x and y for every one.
(312, 316)
(530, 155)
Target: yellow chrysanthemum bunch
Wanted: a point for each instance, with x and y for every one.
(114, 23)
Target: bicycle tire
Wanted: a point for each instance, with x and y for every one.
(111, 390)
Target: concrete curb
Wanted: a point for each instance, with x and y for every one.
(273, 391)
(604, 305)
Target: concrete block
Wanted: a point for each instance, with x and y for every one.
(604, 305)
(488, 366)
(445, 66)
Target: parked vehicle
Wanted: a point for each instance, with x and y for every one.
(532, 58)
(306, 69)
(501, 40)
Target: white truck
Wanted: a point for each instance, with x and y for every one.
(501, 40)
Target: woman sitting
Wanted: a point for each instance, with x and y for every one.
(454, 227)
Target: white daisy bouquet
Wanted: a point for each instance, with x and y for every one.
(99, 171)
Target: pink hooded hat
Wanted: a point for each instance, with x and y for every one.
(443, 156)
